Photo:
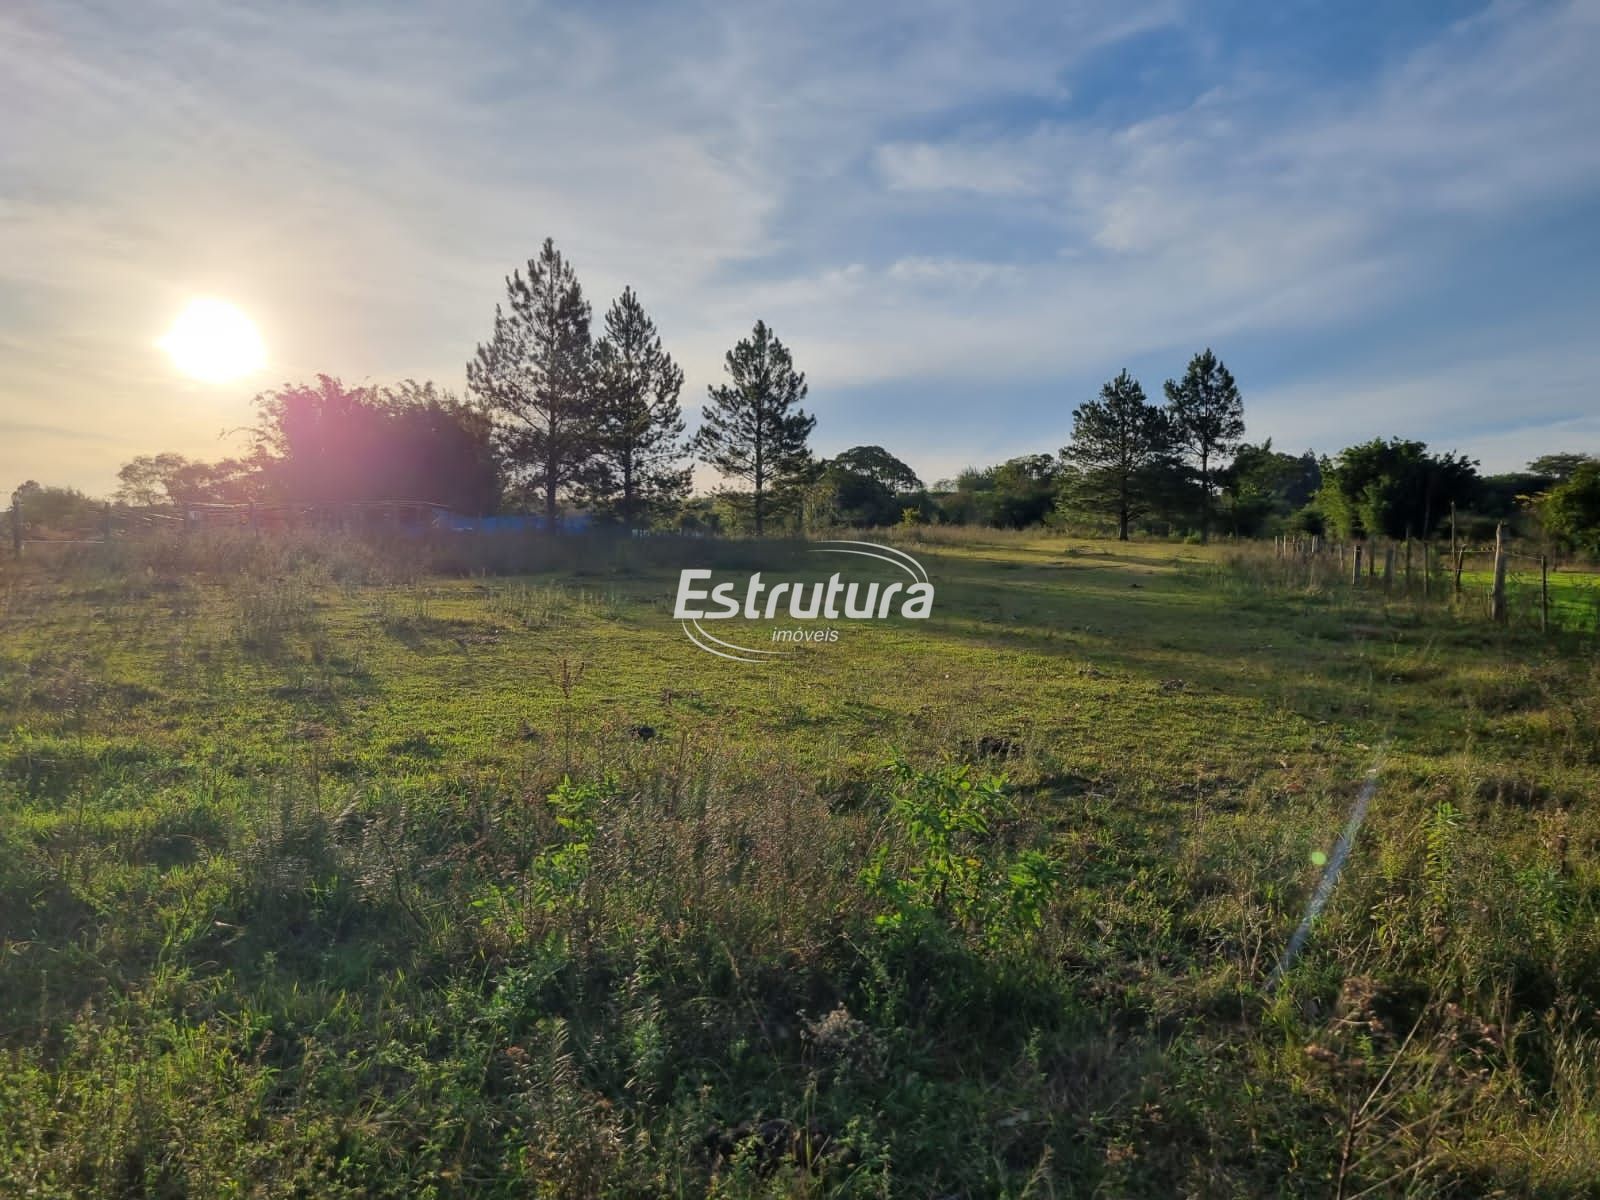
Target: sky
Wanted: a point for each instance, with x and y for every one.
(961, 218)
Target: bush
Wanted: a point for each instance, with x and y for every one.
(944, 866)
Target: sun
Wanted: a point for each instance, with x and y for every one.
(214, 342)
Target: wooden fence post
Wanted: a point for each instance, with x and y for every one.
(1497, 598)
(105, 523)
(1453, 559)
(1388, 568)
(1408, 564)
(16, 523)
(1355, 562)
(1544, 593)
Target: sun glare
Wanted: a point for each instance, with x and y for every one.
(213, 341)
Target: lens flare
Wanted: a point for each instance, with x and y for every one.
(1330, 872)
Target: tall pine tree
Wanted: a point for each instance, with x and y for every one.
(641, 463)
(535, 377)
(1121, 445)
(753, 428)
(1207, 417)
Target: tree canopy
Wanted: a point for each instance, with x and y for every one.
(1393, 488)
(1571, 509)
(328, 443)
(864, 486)
(754, 428)
(1207, 416)
(1561, 467)
(535, 376)
(1120, 444)
(640, 469)
(1262, 484)
(50, 510)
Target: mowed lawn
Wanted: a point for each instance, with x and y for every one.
(287, 906)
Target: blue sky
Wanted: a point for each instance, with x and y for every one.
(961, 218)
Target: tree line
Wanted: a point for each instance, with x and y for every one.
(559, 416)
(556, 417)
(1181, 466)
(1184, 468)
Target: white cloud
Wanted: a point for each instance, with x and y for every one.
(951, 271)
(1503, 409)
(981, 170)
(361, 179)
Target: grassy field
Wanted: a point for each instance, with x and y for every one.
(1573, 595)
(326, 875)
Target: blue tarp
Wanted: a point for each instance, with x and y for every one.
(511, 523)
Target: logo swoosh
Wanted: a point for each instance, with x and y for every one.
(896, 551)
(895, 562)
(689, 633)
(704, 632)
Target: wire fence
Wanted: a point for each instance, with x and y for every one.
(102, 522)
(1538, 592)
(89, 523)
(1507, 583)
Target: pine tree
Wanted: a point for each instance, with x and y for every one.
(641, 467)
(753, 428)
(535, 377)
(1120, 444)
(1207, 417)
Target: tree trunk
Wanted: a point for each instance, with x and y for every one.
(760, 482)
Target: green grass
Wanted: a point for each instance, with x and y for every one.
(1574, 595)
(293, 900)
